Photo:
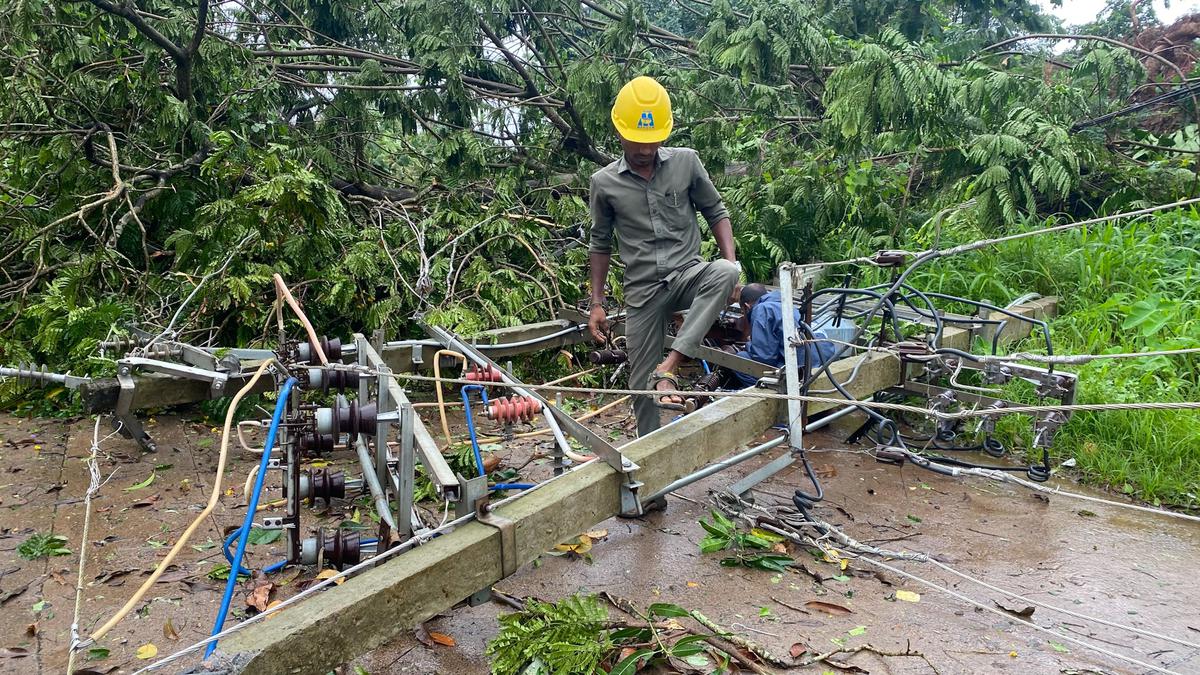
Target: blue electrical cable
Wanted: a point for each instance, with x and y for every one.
(707, 369)
(244, 531)
(475, 441)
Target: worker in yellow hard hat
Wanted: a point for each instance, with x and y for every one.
(649, 198)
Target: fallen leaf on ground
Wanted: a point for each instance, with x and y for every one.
(442, 639)
(142, 484)
(13, 652)
(143, 503)
(1019, 613)
(828, 608)
(825, 471)
(32, 629)
(260, 596)
(908, 596)
(491, 463)
(95, 670)
(798, 649)
(147, 651)
(580, 547)
(325, 574)
(856, 631)
(169, 631)
(271, 604)
(596, 534)
(422, 635)
(692, 584)
(105, 577)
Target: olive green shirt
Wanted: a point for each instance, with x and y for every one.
(655, 220)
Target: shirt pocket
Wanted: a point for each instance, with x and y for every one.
(675, 204)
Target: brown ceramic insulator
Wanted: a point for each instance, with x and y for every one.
(342, 549)
(327, 485)
(483, 374)
(514, 409)
(313, 444)
(608, 357)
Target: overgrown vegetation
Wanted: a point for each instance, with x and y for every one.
(391, 157)
(576, 636)
(40, 545)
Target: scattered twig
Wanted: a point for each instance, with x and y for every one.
(791, 607)
(867, 647)
(752, 647)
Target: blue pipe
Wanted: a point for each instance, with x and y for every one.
(707, 369)
(475, 441)
(251, 508)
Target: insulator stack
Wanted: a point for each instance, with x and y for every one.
(162, 351)
(313, 444)
(608, 357)
(488, 373)
(338, 548)
(332, 349)
(352, 419)
(709, 382)
(335, 380)
(322, 484)
(31, 374)
(123, 344)
(514, 409)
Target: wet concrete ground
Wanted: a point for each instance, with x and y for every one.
(1127, 567)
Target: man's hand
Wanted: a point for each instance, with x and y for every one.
(598, 323)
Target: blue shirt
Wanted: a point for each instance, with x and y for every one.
(766, 335)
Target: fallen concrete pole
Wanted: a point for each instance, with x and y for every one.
(337, 625)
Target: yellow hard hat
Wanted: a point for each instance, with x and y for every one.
(642, 113)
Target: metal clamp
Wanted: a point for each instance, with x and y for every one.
(508, 535)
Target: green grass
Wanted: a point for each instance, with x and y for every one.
(1125, 287)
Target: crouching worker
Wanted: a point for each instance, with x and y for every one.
(764, 311)
(648, 200)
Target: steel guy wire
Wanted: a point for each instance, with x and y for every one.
(864, 550)
(778, 396)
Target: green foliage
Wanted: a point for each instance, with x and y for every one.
(565, 637)
(723, 535)
(40, 545)
(1123, 288)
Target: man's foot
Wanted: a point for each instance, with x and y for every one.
(666, 381)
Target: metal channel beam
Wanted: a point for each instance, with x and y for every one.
(581, 433)
(427, 448)
(345, 621)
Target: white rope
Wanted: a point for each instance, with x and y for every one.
(1004, 477)
(778, 396)
(1053, 608)
(94, 485)
(993, 610)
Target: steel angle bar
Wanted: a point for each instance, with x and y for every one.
(426, 448)
(556, 420)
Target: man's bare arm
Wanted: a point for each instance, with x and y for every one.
(723, 232)
(597, 318)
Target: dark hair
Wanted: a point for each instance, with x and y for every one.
(751, 293)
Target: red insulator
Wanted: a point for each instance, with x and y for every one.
(483, 374)
(514, 409)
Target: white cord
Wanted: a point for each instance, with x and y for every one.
(242, 439)
(1068, 612)
(1004, 477)
(980, 605)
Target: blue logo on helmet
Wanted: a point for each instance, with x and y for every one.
(646, 121)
